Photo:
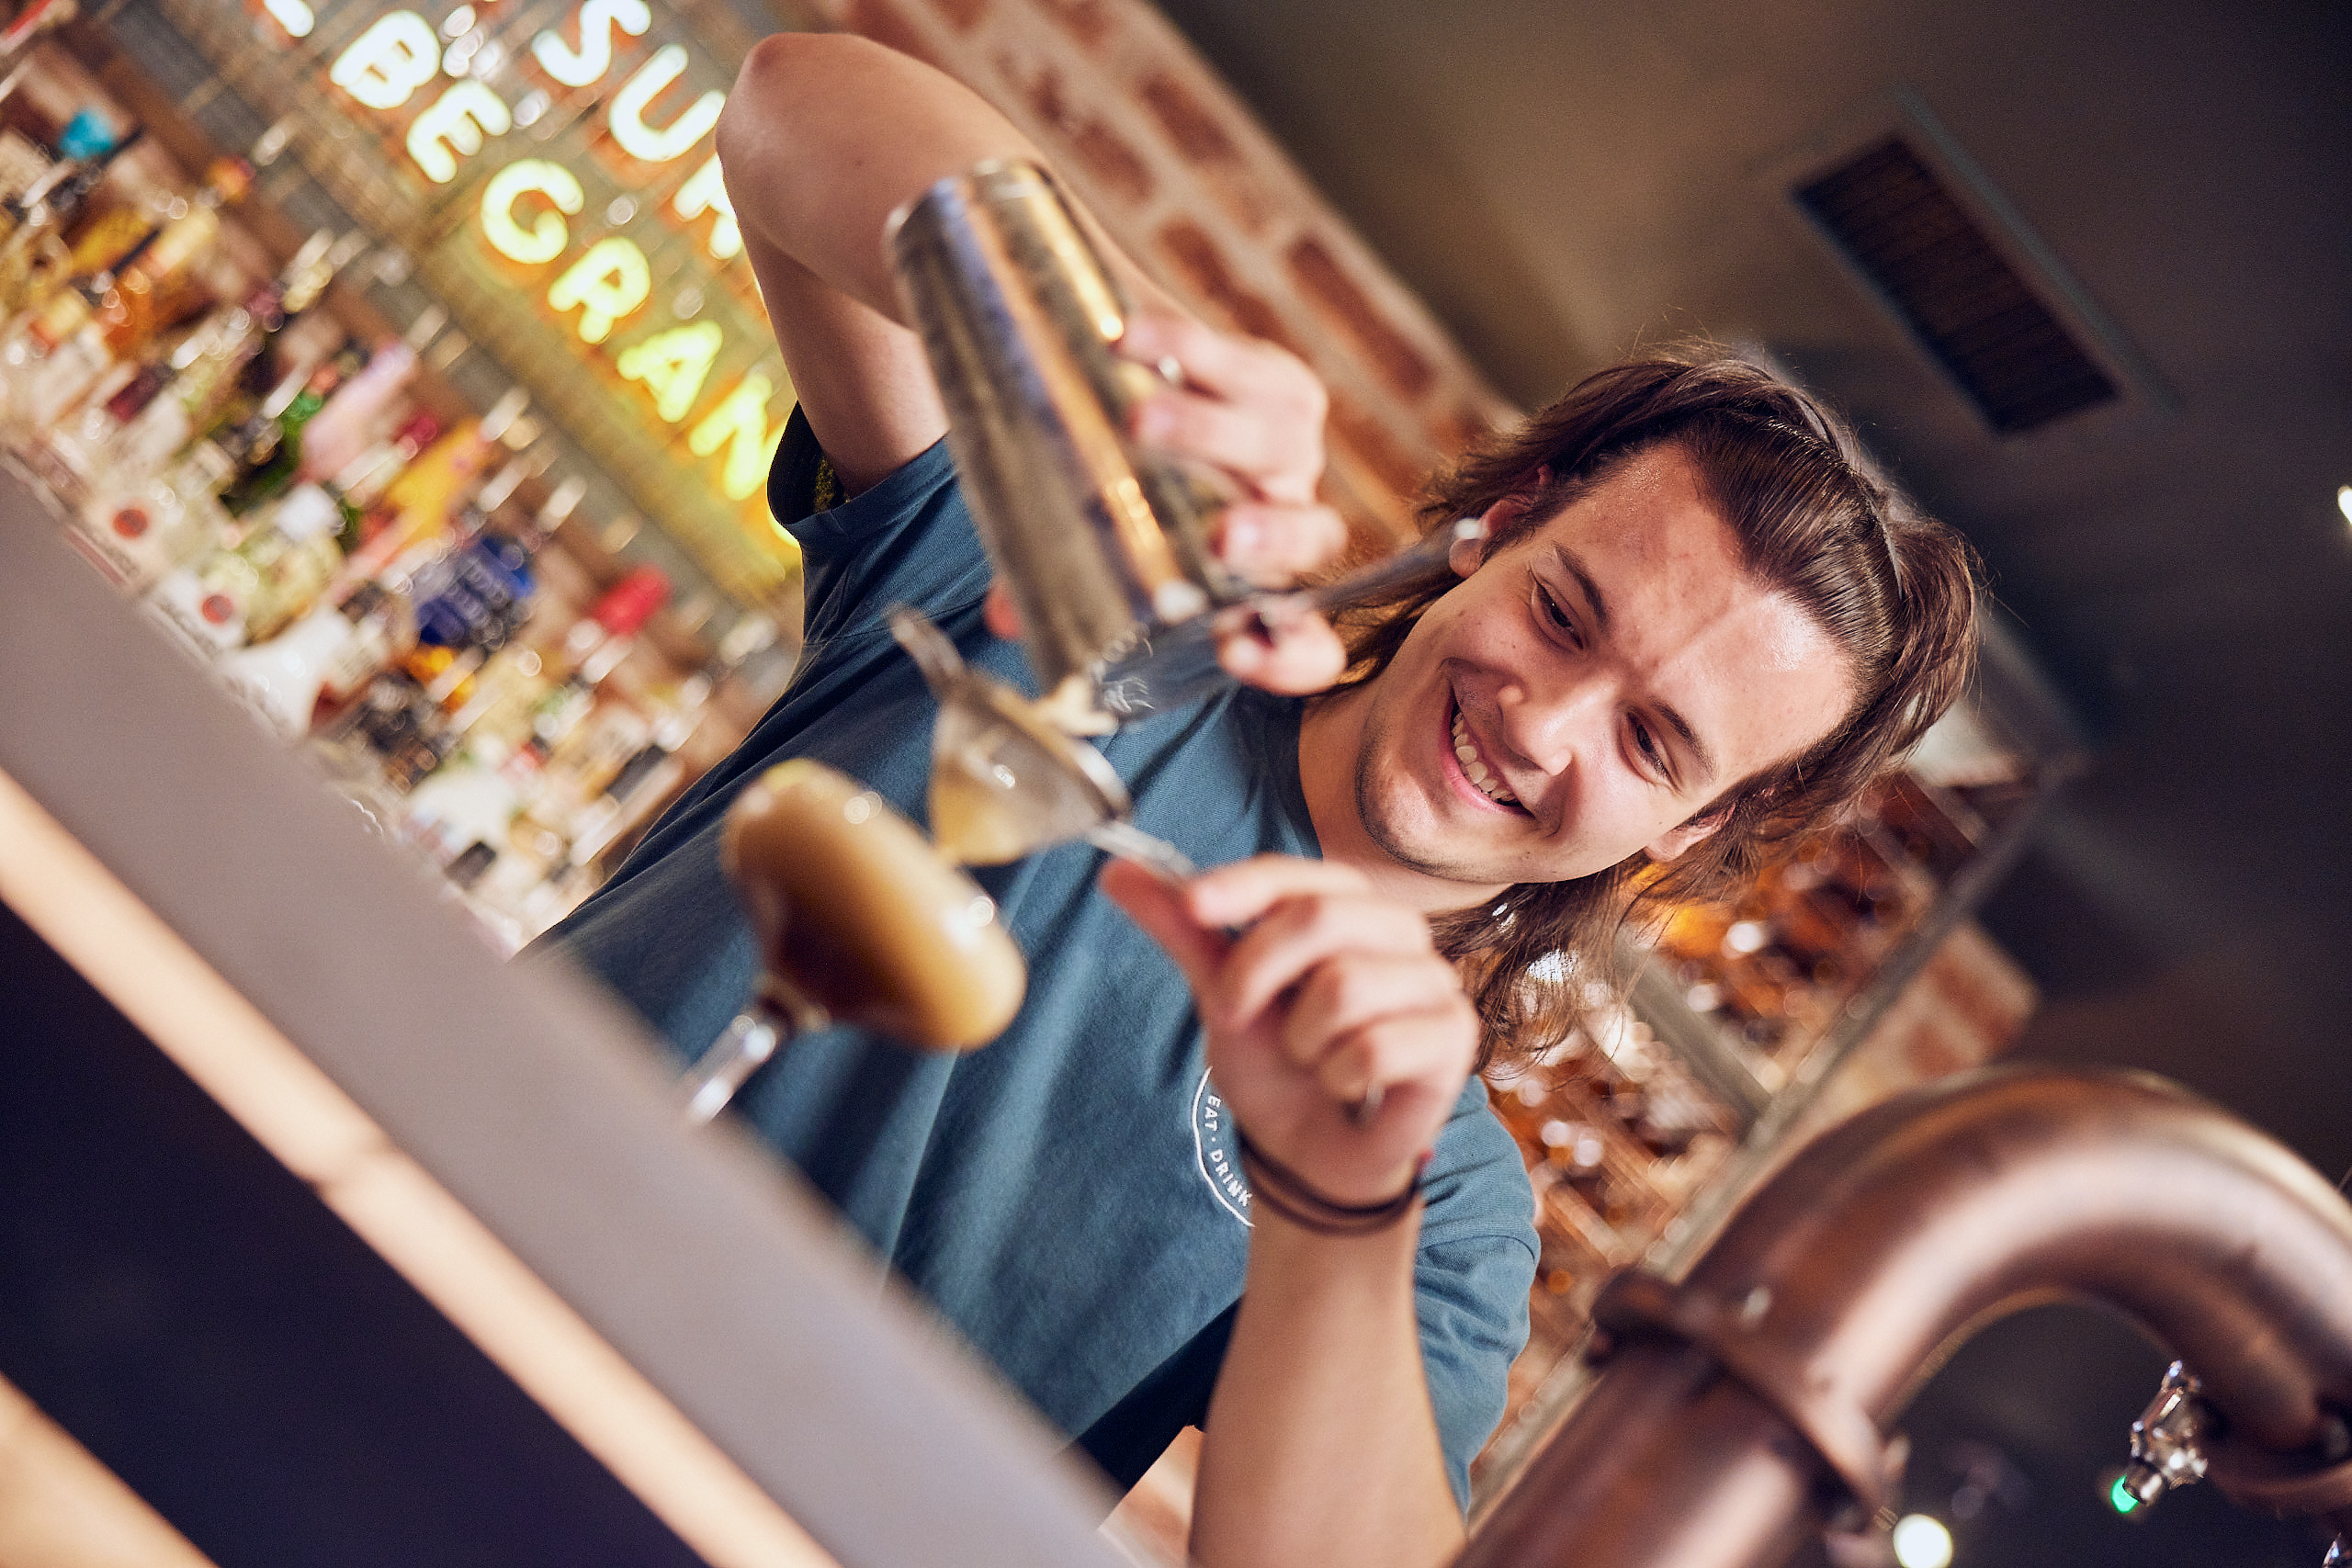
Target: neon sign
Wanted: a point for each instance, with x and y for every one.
(574, 154)
(400, 54)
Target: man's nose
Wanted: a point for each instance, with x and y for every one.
(1552, 722)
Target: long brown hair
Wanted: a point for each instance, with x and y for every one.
(1895, 589)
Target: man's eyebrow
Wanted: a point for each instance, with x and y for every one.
(1704, 759)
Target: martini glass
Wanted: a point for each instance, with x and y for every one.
(860, 921)
(1005, 780)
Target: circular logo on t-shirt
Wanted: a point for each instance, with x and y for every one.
(1219, 1152)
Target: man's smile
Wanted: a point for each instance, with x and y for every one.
(1470, 763)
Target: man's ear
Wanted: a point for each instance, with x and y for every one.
(1672, 843)
(1466, 555)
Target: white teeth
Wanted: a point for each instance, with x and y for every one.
(1474, 767)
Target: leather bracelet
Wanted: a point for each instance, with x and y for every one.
(1290, 1195)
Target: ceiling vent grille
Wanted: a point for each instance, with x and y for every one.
(1940, 270)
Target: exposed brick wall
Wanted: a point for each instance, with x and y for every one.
(1107, 160)
(961, 15)
(1335, 295)
(1087, 22)
(1185, 179)
(883, 22)
(1202, 277)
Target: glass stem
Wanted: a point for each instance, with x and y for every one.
(775, 1016)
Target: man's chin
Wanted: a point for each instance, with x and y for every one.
(1411, 850)
(1407, 828)
(1418, 846)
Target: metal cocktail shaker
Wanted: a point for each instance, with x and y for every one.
(1104, 543)
(1104, 546)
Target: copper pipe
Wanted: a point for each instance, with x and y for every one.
(1741, 1408)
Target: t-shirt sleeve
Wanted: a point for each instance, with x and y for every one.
(1471, 1276)
(1471, 1294)
(905, 539)
(800, 479)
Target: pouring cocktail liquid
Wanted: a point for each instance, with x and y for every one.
(1103, 543)
(1106, 548)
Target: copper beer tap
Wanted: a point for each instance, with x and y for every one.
(1742, 1408)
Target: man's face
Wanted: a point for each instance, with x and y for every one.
(1582, 694)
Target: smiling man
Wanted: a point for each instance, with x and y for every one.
(1696, 626)
(1693, 624)
(1586, 695)
(1231, 1165)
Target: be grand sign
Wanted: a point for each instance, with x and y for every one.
(551, 166)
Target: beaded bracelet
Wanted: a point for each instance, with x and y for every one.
(1290, 1195)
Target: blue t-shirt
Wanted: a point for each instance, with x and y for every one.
(1070, 1197)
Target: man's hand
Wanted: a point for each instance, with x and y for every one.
(1253, 410)
(1329, 992)
(1254, 413)
(1321, 1444)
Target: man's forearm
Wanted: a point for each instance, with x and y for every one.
(1321, 1444)
(825, 135)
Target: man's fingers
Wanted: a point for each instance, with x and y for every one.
(1395, 1053)
(1279, 459)
(1295, 655)
(1250, 407)
(1224, 364)
(1279, 950)
(1348, 991)
(1239, 893)
(1271, 546)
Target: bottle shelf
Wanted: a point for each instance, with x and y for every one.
(603, 717)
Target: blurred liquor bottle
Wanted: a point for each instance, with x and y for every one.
(35, 260)
(118, 228)
(140, 531)
(247, 591)
(321, 660)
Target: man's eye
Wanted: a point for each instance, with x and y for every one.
(1560, 620)
(1652, 752)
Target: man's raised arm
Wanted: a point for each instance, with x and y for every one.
(825, 135)
(1323, 1444)
(1322, 1448)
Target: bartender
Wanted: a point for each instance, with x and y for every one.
(1154, 1201)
